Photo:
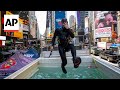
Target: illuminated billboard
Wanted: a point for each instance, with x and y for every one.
(103, 23)
(58, 16)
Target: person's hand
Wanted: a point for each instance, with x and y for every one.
(51, 48)
(66, 26)
(100, 25)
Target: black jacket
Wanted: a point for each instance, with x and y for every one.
(63, 34)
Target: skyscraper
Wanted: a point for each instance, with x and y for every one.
(33, 21)
(86, 13)
(81, 23)
(48, 23)
(72, 22)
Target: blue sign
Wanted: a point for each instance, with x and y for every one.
(58, 16)
(32, 53)
(115, 45)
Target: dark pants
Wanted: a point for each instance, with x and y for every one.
(63, 50)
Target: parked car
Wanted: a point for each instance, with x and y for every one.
(104, 54)
(95, 51)
(110, 55)
(118, 63)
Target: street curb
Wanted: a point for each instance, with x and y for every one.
(110, 70)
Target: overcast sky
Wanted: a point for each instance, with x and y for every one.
(41, 19)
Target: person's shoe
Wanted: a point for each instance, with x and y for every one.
(77, 62)
(63, 69)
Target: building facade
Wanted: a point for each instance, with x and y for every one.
(0, 23)
(91, 19)
(81, 25)
(72, 22)
(38, 32)
(33, 22)
(118, 22)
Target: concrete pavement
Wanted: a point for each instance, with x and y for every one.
(84, 52)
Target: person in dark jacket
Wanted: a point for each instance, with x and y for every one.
(64, 35)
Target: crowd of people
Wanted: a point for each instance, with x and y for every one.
(17, 47)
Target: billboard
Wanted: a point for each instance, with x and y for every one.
(32, 53)
(18, 35)
(14, 63)
(103, 23)
(101, 45)
(58, 16)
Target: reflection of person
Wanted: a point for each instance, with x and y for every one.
(64, 44)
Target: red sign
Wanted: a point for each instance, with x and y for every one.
(103, 32)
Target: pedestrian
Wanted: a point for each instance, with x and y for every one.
(65, 35)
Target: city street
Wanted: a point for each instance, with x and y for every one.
(25, 44)
(105, 61)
